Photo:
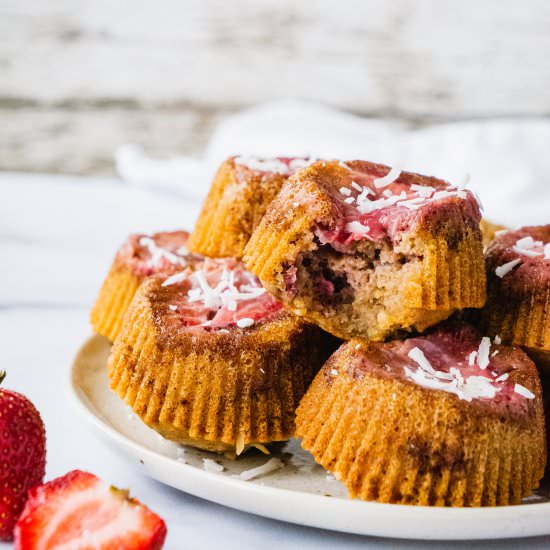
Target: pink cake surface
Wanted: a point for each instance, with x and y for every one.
(163, 252)
(377, 202)
(522, 257)
(455, 358)
(216, 294)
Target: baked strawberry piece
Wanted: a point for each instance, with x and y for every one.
(138, 258)
(365, 251)
(79, 511)
(22, 456)
(238, 198)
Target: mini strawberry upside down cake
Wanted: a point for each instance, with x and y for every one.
(518, 290)
(446, 419)
(138, 258)
(208, 358)
(369, 252)
(239, 196)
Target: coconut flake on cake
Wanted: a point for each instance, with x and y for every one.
(389, 178)
(158, 253)
(504, 269)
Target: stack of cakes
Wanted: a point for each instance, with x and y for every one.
(229, 346)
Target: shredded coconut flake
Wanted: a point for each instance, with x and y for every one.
(531, 248)
(483, 352)
(334, 372)
(501, 232)
(526, 252)
(158, 253)
(467, 389)
(417, 355)
(356, 186)
(270, 466)
(356, 227)
(472, 358)
(177, 278)
(345, 191)
(497, 340)
(389, 178)
(465, 181)
(522, 390)
(504, 269)
(245, 322)
(212, 466)
(298, 164)
(264, 165)
(225, 293)
(478, 199)
(172, 307)
(423, 190)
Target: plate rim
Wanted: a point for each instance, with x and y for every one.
(195, 477)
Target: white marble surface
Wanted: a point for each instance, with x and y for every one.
(57, 237)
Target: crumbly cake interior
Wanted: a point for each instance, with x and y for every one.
(370, 259)
(362, 282)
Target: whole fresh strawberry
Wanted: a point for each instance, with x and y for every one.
(22, 455)
(78, 511)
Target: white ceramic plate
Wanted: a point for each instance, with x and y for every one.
(299, 492)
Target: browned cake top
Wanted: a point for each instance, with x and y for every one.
(163, 252)
(522, 255)
(212, 295)
(454, 358)
(374, 202)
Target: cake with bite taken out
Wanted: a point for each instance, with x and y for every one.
(238, 198)
(138, 258)
(369, 252)
(448, 418)
(518, 290)
(208, 358)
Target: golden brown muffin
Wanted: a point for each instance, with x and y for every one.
(240, 193)
(208, 358)
(364, 253)
(489, 231)
(518, 290)
(446, 419)
(138, 258)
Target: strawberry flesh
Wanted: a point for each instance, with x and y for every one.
(78, 511)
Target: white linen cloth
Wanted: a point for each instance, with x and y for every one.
(58, 235)
(508, 159)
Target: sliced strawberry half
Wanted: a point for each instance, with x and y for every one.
(78, 511)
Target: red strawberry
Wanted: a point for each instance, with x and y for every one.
(22, 455)
(78, 511)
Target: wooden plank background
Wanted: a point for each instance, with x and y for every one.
(79, 77)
